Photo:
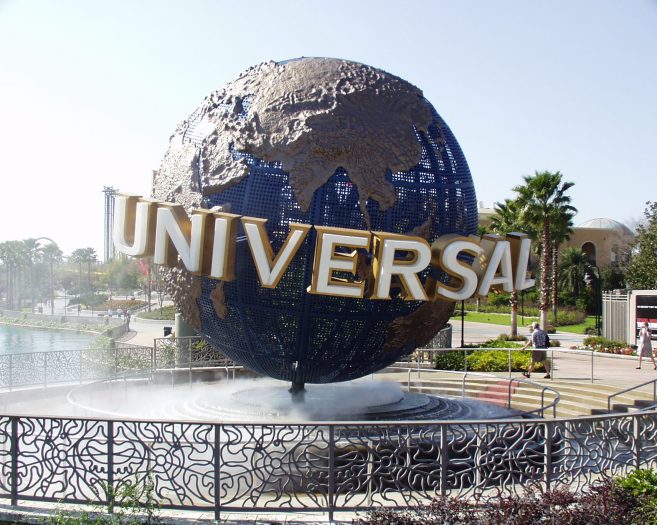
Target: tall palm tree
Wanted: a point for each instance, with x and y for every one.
(14, 258)
(507, 219)
(543, 199)
(31, 256)
(51, 254)
(561, 230)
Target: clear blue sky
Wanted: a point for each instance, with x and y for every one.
(91, 91)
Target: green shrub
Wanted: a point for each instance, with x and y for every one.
(568, 317)
(132, 503)
(641, 482)
(499, 299)
(597, 341)
(486, 360)
(124, 304)
(497, 343)
(607, 502)
(498, 361)
(166, 313)
(452, 360)
(88, 299)
(509, 337)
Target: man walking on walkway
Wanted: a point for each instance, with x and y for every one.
(539, 340)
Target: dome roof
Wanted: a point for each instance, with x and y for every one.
(606, 224)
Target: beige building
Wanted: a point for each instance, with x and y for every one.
(605, 241)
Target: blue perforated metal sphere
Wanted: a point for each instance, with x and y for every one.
(285, 332)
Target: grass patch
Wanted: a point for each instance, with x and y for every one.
(166, 313)
(492, 318)
(505, 320)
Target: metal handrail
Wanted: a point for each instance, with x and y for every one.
(624, 391)
(541, 410)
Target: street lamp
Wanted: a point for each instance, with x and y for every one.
(592, 280)
(462, 324)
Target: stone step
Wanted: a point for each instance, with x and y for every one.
(527, 399)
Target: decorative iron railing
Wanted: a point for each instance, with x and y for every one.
(325, 467)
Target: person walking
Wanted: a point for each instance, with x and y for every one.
(127, 320)
(645, 345)
(540, 341)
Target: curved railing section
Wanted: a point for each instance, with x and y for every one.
(325, 467)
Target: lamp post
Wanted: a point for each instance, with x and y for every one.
(598, 300)
(462, 324)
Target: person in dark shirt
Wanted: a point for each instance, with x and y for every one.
(539, 340)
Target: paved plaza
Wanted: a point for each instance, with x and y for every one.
(570, 364)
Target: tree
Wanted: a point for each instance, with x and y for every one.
(30, 256)
(14, 257)
(507, 219)
(562, 229)
(84, 255)
(543, 199)
(51, 254)
(641, 273)
(573, 271)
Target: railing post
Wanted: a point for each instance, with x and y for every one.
(548, 456)
(552, 367)
(154, 353)
(331, 473)
(592, 352)
(444, 459)
(637, 441)
(14, 460)
(110, 466)
(217, 473)
(508, 401)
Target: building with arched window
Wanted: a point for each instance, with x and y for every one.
(604, 241)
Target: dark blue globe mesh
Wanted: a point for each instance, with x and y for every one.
(289, 334)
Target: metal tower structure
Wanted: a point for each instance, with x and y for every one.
(110, 195)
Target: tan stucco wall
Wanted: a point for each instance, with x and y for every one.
(604, 241)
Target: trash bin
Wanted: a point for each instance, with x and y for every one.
(167, 331)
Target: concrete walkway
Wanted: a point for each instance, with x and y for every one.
(568, 364)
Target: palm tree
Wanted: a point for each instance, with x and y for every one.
(31, 256)
(84, 255)
(14, 258)
(51, 254)
(573, 270)
(77, 256)
(543, 199)
(506, 220)
(561, 230)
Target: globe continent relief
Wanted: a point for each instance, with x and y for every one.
(325, 142)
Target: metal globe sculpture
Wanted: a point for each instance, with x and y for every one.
(324, 142)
